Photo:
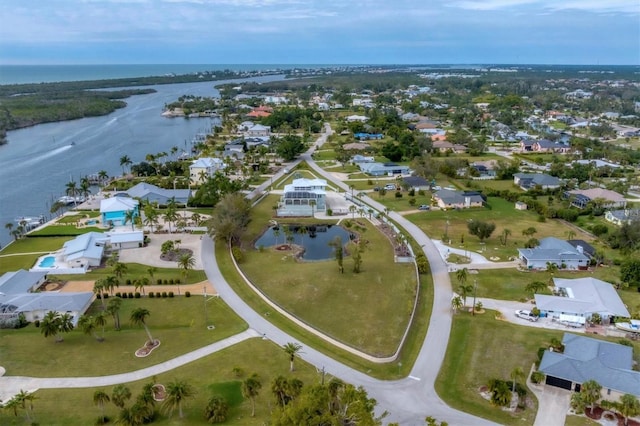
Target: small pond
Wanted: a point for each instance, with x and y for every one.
(315, 241)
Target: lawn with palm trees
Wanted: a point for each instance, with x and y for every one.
(178, 322)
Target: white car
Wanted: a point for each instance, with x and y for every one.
(528, 315)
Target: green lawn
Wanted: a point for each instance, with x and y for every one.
(30, 245)
(58, 230)
(213, 374)
(13, 263)
(178, 322)
(136, 270)
(579, 421)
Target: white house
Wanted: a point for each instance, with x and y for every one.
(553, 251)
(258, 130)
(360, 118)
(85, 250)
(203, 168)
(119, 240)
(620, 217)
(303, 197)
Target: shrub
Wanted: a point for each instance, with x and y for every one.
(152, 294)
(159, 281)
(130, 295)
(187, 294)
(166, 281)
(176, 280)
(420, 192)
(136, 295)
(237, 371)
(537, 377)
(124, 295)
(398, 194)
(237, 254)
(164, 294)
(329, 212)
(105, 295)
(118, 294)
(170, 294)
(128, 281)
(599, 229)
(171, 281)
(36, 323)
(157, 294)
(412, 192)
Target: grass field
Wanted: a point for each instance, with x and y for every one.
(30, 245)
(137, 270)
(179, 323)
(58, 230)
(211, 375)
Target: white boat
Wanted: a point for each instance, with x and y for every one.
(71, 200)
(633, 326)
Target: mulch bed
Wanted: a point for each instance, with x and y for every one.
(598, 412)
(147, 348)
(159, 392)
(175, 255)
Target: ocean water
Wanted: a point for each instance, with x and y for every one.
(21, 74)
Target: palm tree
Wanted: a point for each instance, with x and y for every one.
(120, 395)
(72, 190)
(505, 233)
(302, 230)
(119, 269)
(138, 317)
(629, 406)
(100, 321)
(125, 161)
(250, 389)
(171, 214)
(353, 210)
(113, 308)
(8, 226)
(87, 324)
(150, 216)
(186, 262)
(590, 393)
(456, 304)
(103, 176)
(130, 216)
(177, 392)
(292, 350)
(313, 203)
(56, 207)
(516, 374)
(85, 187)
(100, 398)
(66, 323)
(98, 288)
(535, 287)
(216, 410)
(50, 325)
(276, 234)
(461, 275)
(22, 397)
(151, 270)
(12, 404)
(140, 283)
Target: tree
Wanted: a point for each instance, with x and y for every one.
(464, 291)
(125, 161)
(456, 304)
(529, 231)
(56, 207)
(139, 317)
(630, 272)
(100, 399)
(338, 252)
(53, 324)
(186, 263)
(535, 287)
(356, 255)
(141, 283)
(151, 271)
(629, 406)
(292, 350)
(500, 392)
(480, 229)
(87, 324)
(113, 308)
(503, 237)
(71, 189)
(230, 218)
(216, 410)
(22, 398)
(516, 374)
(9, 227)
(177, 392)
(171, 213)
(130, 217)
(120, 395)
(119, 269)
(98, 289)
(250, 388)
(590, 393)
(150, 216)
(288, 147)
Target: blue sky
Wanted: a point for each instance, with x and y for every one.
(319, 31)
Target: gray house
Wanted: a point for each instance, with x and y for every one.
(584, 358)
(527, 181)
(155, 195)
(554, 251)
(383, 169)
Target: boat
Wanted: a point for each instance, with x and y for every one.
(67, 200)
(633, 326)
(72, 143)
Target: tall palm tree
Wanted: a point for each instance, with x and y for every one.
(85, 187)
(464, 291)
(516, 374)
(139, 317)
(103, 177)
(100, 399)
(50, 325)
(56, 207)
(150, 216)
(292, 350)
(130, 216)
(590, 393)
(628, 407)
(171, 213)
(535, 287)
(9, 227)
(125, 161)
(72, 190)
(100, 321)
(113, 308)
(22, 398)
(140, 284)
(98, 289)
(456, 304)
(177, 392)
(151, 270)
(87, 324)
(186, 262)
(462, 275)
(119, 269)
(302, 230)
(120, 395)
(505, 233)
(250, 388)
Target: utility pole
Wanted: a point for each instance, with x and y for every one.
(475, 290)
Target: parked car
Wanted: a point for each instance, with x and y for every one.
(528, 315)
(424, 207)
(390, 187)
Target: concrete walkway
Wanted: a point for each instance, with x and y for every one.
(12, 385)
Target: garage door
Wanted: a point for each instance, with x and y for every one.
(558, 382)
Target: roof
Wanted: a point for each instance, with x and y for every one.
(208, 162)
(594, 193)
(20, 281)
(370, 167)
(584, 359)
(47, 301)
(89, 245)
(541, 179)
(458, 197)
(152, 193)
(125, 237)
(415, 181)
(587, 248)
(553, 250)
(118, 204)
(584, 296)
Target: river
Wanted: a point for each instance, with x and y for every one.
(37, 162)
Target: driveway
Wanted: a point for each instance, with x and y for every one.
(150, 255)
(553, 405)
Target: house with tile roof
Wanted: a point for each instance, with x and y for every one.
(553, 251)
(584, 359)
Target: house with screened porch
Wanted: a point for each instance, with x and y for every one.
(303, 197)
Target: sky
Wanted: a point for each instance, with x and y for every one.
(320, 32)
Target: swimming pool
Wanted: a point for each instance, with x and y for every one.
(92, 222)
(47, 262)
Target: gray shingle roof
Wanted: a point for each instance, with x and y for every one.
(585, 359)
(19, 281)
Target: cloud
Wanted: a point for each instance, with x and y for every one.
(595, 6)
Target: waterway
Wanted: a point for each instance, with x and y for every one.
(37, 162)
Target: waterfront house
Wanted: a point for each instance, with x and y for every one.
(448, 199)
(553, 251)
(303, 197)
(114, 210)
(204, 168)
(85, 250)
(583, 359)
(527, 181)
(121, 239)
(258, 130)
(159, 196)
(582, 298)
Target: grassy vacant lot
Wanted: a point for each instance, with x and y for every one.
(179, 323)
(477, 353)
(211, 375)
(57, 230)
(137, 270)
(30, 245)
(309, 289)
(503, 214)
(509, 284)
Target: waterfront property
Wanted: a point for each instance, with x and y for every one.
(204, 168)
(582, 297)
(114, 210)
(18, 296)
(303, 197)
(314, 239)
(584, 358)
(553, 251)
(159, 196)
(85, 250)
